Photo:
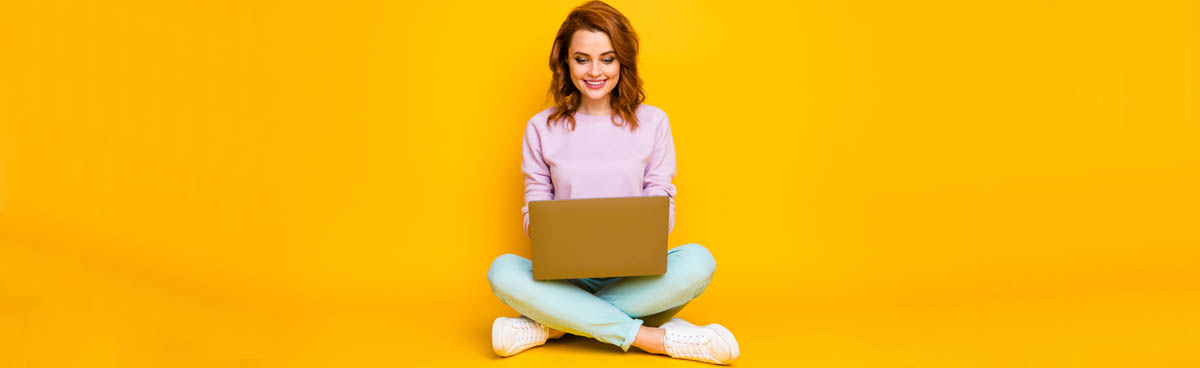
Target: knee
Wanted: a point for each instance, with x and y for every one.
(505, 271)
(696, 263)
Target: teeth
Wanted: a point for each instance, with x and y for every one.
(595, 83)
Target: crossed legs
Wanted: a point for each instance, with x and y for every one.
(616, 313)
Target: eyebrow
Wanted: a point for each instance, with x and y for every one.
(601, 54)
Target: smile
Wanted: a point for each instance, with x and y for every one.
(596, 84)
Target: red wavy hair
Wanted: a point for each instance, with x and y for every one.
(596, 16)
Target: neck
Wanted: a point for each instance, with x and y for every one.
(599, 107)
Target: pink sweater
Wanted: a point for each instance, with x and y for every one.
(599, 159)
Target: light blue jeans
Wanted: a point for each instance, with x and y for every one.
(609, 309)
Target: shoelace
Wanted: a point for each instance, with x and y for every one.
(691, 345)
(528, 332)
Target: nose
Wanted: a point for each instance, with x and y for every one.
(595, 72)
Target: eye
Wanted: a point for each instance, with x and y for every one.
(608, 61)
(581, 61)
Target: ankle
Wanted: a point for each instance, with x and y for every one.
(651, 340)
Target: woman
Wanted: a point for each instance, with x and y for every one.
(599, 140)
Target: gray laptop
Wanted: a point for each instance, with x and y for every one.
(599, 237)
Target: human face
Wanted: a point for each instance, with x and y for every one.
(594, 67)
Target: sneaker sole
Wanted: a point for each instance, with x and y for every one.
(496, 330)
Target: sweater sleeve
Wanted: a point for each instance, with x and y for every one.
(537, 173)
(660, 170)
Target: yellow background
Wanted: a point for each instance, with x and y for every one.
(883, 184)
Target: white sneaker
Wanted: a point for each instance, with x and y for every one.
(712, 343)
(514, 335)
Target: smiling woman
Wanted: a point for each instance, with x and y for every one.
(595, 85)
(595, 51)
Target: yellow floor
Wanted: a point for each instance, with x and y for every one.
(1120, 329)
(76, 311)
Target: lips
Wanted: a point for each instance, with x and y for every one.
(595, 84)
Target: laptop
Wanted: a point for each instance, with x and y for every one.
(599, 237)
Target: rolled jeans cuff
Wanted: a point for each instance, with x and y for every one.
(632, 334)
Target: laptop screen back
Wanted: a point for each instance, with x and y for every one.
(599, 237)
